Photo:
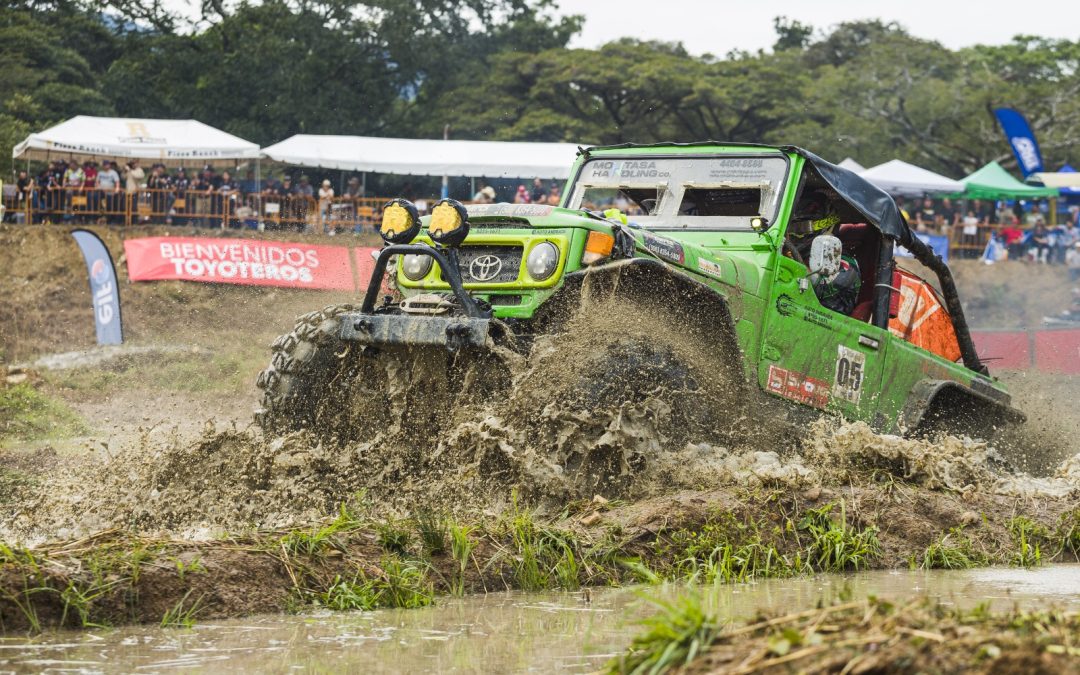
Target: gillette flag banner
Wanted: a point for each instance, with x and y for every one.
(104, 293)
(1022, 140)
(240, 261)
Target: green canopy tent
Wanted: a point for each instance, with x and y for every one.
(994, 182)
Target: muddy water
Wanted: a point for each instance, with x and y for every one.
(500, 632)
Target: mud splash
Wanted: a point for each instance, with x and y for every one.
(238, 480)
(623, 401)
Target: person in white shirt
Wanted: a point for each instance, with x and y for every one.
(326, 196)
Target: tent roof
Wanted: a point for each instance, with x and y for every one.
(994, 182)
(900, 178)
(427, 157)
(167, 141)
(851, 165)
(1066, 178)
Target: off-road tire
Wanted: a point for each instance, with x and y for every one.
(305, 366)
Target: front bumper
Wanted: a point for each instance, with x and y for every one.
(371, 326)
(452, 332)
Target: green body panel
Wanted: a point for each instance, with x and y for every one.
(792, 346)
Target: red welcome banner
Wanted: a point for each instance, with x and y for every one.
(239, 261)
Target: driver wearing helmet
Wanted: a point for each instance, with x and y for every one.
(817, 217)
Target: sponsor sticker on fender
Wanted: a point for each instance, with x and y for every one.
(797, 387)
(239, 261)
(711, 268)
(662, 247)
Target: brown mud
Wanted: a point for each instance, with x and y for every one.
(116, 576)
(198, 505)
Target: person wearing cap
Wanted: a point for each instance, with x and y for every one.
(485, 195)
(522, 196)
(90, 174)
(326, 198)
(74, 179)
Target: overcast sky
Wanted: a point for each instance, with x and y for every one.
(719, 26)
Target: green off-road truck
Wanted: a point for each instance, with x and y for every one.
(669, 283)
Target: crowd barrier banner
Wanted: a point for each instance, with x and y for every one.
(1058, 351)
(1050, 350)
(938, 242)
(1007, 350)
(239, 261)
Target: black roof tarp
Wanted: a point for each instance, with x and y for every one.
(872, 202)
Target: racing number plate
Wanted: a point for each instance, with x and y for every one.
(850, 368)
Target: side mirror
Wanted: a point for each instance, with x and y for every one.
(825, 253)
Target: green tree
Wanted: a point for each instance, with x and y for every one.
(45, 80)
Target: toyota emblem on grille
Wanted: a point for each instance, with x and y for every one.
(485, 267)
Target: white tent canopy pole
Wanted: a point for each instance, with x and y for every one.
(900, 178)
(423, 157)
(174, 142)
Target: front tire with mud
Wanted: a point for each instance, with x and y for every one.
(305, 374)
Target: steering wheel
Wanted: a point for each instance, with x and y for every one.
(790, 249)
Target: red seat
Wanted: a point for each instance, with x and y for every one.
(863, 310)
(853, 237)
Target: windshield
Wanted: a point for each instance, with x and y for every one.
(683, 192)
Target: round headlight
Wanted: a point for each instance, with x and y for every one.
(449, 224)
(542, 261)
(400, 222)
(415, 267)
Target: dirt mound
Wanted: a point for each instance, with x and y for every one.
(1008, 294)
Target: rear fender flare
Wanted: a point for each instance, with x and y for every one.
(930, 392)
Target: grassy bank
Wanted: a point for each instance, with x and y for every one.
(356, 562)
(864, 636)
(28, 415)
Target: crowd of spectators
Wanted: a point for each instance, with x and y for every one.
(1021, 229)
(108, 192)
(537, 194)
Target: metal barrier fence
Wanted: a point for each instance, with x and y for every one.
(194, 207)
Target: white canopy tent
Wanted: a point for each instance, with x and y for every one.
(172, 142)
(900, 178)
(851, 165)
(426, 157)
(1055, 179)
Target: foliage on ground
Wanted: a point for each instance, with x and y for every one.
(865, 636)
(356, 561)
(28, 414)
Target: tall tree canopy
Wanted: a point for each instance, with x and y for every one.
(501, 69)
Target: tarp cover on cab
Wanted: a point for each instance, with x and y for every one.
(872, 202)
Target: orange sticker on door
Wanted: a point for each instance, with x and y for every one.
(797, 387)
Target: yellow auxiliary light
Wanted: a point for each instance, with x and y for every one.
(400, 222)
(449, 223)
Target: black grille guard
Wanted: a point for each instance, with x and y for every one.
(450, 269)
